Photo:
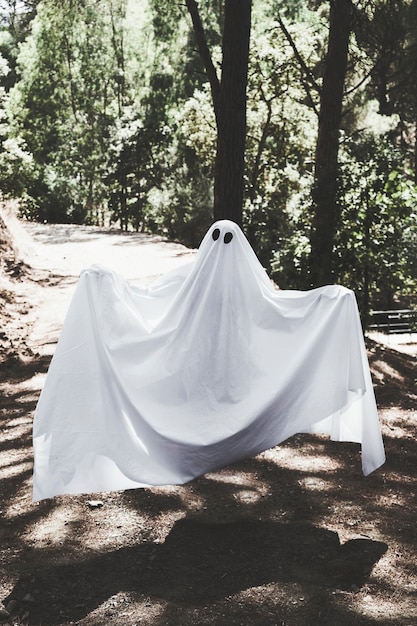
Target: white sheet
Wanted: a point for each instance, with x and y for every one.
(211, 364)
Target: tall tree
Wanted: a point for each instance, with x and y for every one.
(229, 101)
(325, 205)
(388, 35)
(64, 104)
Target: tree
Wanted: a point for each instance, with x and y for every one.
(229, 101)
(388, 36)
(64, 105)
(326, 210)
(377, 240)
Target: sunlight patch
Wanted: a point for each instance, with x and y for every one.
(35, 383)
(166, 489)
(246, 496)
(190, 500)
(249, 489)
(399, 424)
(127, 608)
(383, 369)
(301, 460)
(385, 609)
(113, 526)
(18, 468)
(312, 483)
(233, 478)
(16, 422)
(53, 528)
(393, 500)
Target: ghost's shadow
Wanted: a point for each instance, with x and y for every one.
(203, 562)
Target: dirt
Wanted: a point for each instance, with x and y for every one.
(295, 536)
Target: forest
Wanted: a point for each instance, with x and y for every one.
(126, 128)
(112, 113)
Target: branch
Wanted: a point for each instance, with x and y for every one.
(360, 83)
(310, 78)
(203, 49)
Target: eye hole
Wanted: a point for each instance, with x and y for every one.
(228, 237)
(216, 234)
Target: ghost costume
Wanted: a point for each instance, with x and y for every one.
(209, 365)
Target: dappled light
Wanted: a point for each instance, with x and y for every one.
(383, 370)
(14, 469)
(296, 535)
(395, 376)
(296, 531)
(397, 427)
(296, 457)
(247, 487)
(54, 528)
(126, 128)
(315, 484)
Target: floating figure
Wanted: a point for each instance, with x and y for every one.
(209, 365)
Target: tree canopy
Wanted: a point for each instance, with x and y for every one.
(112, 111)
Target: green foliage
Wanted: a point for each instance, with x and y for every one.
(386, 34)
(280, 144)
(378, 231)
(181, 195)
(136, 153)
(63, 107)
(106, 114)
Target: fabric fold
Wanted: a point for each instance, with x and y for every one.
(209, 365)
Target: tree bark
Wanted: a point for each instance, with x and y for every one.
(229, 101)
(325, 205)
(231, 112)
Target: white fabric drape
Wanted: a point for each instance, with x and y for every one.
(209, 365)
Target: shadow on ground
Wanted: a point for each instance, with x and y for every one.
(202, 562)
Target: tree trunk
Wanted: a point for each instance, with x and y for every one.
(231, 112)
(326, 210)
(229, 101)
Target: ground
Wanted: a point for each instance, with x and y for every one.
(295, 536)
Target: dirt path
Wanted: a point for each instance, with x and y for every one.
(295, 536)
(54, 256)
